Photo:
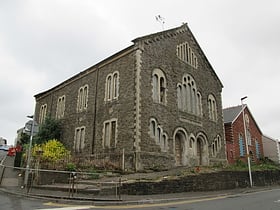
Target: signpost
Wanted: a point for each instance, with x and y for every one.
(31, 127)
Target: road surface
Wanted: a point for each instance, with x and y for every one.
(262, 200)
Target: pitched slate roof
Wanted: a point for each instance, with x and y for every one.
(231, 113)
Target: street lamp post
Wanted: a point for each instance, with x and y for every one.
(246, 140)
(29, 152)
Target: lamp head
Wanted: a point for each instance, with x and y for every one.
(243, 98)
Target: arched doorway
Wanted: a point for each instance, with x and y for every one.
(202, 156)
(179, 139)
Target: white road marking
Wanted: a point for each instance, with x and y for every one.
(68, 208)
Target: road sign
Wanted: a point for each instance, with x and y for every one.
(28, 127)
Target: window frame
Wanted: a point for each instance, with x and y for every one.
(159, 84)
(60, 107)
(107, 140)
(112, 87)
(82, 101)
(212, 108)
(43, 113)
(186, 54)
(189, 98)
(79, 139)
(241, 146)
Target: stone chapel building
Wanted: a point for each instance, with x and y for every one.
(158, 100)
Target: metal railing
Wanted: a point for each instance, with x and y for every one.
(61, 184)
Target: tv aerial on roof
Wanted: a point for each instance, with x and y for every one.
(161, 20)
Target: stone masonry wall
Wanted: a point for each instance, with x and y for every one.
(203, 182)
(72, 118)
(122, 108)
(133, 113)
(162, 54)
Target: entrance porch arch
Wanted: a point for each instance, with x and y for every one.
(179, 145)
(202, 155)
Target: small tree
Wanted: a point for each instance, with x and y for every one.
(24, 138)
(50, 129)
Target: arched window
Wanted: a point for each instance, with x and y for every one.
(179, 96)
(199, 104)
(109, 88)
(112, 86)
(164, 144)
(212, 107)
(162, 90)
(115, 85)
(153, 127)
(241, 146)
(79, 140)
(43, 113)
(82, 98)
(60, 108)
(159, 136)
(85, 97)
(159, 86)
(192, 140)
(216, 146)
(189, 98)
(258, 153)
(186, 54)
(213, 149)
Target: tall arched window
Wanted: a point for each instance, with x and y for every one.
(186, 54)
(179, 96)
(43, 113)
(85, 97)
(112, 86)
(199, 104)
(216, 146)
(212, 107)
(82, 98)
(109, 87)
(79, 140)
(159, 86)
(60, 108)
(258, 153)
(153, 127)
(115, 85)
(241, 146)
(158, 134)
(189, 98)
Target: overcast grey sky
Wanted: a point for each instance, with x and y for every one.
(44, 42)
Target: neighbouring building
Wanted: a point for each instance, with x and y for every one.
(235, 135)
(158, 100)
(271, 148)
(3, 141)
(18, 136)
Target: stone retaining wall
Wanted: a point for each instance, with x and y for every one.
(203, 182)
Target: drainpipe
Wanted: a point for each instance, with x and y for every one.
(94, 112)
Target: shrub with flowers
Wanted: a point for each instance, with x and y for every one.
(53, 150)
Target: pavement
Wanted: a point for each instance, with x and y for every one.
(11, 183)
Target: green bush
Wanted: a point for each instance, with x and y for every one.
(71, 167)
